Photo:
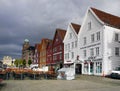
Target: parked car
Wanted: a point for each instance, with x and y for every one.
(115, 73)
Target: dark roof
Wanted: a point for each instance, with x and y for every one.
(109, 19)
(31, 48)
(61, 32)
(76, 27)
(50, 43)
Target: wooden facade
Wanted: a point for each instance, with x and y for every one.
(43, 47)
(37, 54)
(58, 48)
(49, 55)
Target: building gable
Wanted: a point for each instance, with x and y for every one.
(59, 36)
(72, 32)
(108, 19)
(90, 22)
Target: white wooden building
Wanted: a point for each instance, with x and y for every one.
(99, 42)
(70, 45)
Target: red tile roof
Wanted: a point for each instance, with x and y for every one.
(76, 27)
(109, 19)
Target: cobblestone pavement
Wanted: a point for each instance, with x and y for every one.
(81, 83)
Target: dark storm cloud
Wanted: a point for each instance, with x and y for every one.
(37, 19)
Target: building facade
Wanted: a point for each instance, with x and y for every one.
(28, 52)
(98, 42)
(58, 47)
(70, 46)
(1, 65)
(7, 60)
(43, 47)
(36, 54)
(49, 55)
(26, 45)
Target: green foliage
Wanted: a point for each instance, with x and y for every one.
(16, 62)
(20, 62)
(24, 62)
(29, 62)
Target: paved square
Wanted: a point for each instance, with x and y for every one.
(83, 83)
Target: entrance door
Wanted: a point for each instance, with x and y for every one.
(91, 68)
(78, 69)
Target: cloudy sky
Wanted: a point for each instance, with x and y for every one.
(37, 19)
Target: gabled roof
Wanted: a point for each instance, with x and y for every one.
(76, 27)
(108, 19)
(44, 41)
(61, 33)
(50, 43)
(37, 46)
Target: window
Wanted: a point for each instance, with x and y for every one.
(56, 39)
(116, 37)
(68, 46)
(84, 52)
(117, 51)
(92, 38)
(72, 44)
(65, 56)
(98, 67)
(70, 35)
(65, 47)
(72, 54)
(84, 40)
(98, 35)
(89, 25)
(54, 50)
(60, 56)
(75, 43)
(60, 47)
(91, 52)
(68, 55)
(54, 57)
(97, 51)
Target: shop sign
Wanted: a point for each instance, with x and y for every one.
(91, 58)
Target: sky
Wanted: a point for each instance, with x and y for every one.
(37, 19)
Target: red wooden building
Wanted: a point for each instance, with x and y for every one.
(58, 48)
(37, 54)
(49, 55)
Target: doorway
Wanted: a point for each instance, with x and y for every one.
(78, 69)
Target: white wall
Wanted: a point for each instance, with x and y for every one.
(84, 32)
(111, 61)
(68, 40)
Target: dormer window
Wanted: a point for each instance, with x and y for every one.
(89, 25)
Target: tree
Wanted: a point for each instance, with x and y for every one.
(24, 62)
(16, 62)
(29, 62)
